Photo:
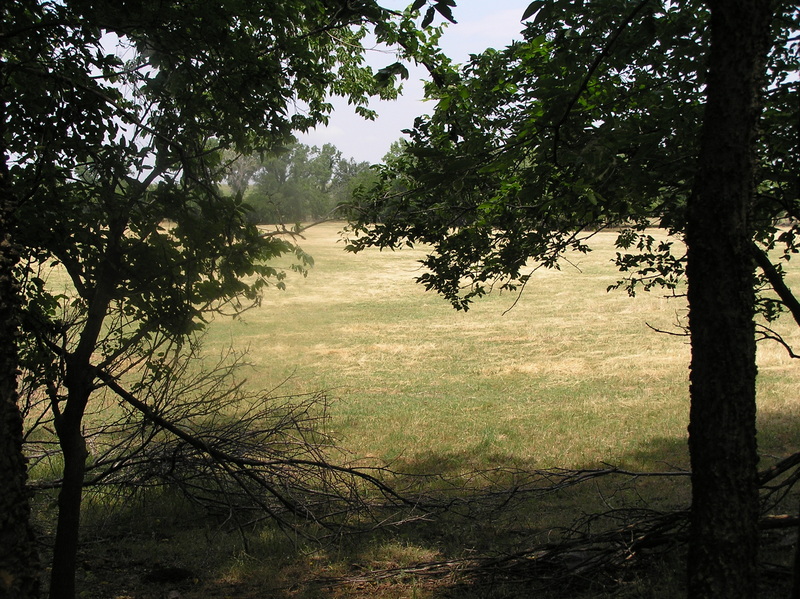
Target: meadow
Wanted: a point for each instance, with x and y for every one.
(565, 375)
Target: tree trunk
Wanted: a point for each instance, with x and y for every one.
(796, 570)
(19, 564)
(65, 548)
(722, 429)
(79, 380)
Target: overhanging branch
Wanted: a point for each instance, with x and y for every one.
(776, 280)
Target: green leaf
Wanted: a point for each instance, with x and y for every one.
(532, 8)
(444, 9)
(428, 19)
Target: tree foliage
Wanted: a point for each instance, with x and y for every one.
(630, 114)
(592, 120)
(117, 117)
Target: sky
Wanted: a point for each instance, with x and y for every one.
(481, 24)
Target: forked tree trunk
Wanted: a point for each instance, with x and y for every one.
(722, 430)
(79, 380)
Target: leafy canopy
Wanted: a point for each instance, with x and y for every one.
(117, 117)
(591, 121)
(116, 121)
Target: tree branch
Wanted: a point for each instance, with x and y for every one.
(242, 461)
(590, 73)
(776, 280)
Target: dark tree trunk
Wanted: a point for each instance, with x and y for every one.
(796, 577)
(65, 549)
(79, 381)
(19, 565)
(722, 429)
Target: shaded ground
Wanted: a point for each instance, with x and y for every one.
(490, 549)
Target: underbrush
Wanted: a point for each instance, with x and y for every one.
(502, 534)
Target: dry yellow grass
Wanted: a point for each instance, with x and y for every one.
(565, 375)
(570, 376)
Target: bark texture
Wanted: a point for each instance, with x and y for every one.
(722, 429)
(19, 565)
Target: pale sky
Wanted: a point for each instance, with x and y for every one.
(481, 24)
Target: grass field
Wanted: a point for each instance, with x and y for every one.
(570, 375)
(567, 375)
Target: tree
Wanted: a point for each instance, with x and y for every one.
(720, 273)
(597, 119)
(273, 194)
(350, 176)
(240, 170)
(19, 572)
(111, 164)
(302, 183)
(294, 185)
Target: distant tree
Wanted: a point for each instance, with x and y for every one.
(633, 113)
(270, 197)
(302, 183)
(315, 175)
(350, 177)
(111, 164)
(239, 172)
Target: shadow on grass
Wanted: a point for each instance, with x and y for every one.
(159, 544)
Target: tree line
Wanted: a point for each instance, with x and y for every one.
(296, 183)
